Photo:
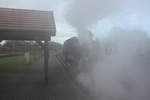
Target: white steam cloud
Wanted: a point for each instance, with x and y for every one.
(123, 72)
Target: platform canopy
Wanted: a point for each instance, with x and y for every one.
(19, 24)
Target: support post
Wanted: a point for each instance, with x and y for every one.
(46, 56)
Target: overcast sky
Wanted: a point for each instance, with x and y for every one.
(136, 17)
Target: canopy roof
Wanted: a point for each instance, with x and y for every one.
(19, 24)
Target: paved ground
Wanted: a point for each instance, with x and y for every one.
(29, 85)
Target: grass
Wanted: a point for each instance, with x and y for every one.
(12, 64)
(15, 64)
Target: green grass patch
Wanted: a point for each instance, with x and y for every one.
(12, 64)
(16, 64)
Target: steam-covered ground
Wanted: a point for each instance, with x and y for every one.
(29, 85)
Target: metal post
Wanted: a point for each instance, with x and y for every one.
(46, 56)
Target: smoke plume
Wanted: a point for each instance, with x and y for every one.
(83, 13)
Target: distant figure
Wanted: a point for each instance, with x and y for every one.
(27, 57)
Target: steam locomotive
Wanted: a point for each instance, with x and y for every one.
(80, 56)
